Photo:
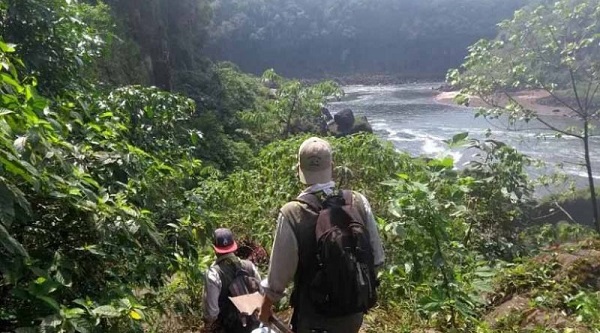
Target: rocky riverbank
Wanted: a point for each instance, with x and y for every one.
(536, 100)
(377, 79)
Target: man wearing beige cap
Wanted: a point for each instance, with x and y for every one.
(293, 257)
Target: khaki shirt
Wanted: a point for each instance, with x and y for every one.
(284, 254)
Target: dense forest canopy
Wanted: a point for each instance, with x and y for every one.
(315, 38)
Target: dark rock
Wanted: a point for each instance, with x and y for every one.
(445, 88)
(344, 123)
(362, 125)
(344, 120)
(326, 114)
(270, 84)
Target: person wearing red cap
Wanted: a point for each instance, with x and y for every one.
(217, 308)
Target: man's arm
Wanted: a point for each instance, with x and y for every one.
(210, 296)
(282, 266)
(375, 239)
(256, 272)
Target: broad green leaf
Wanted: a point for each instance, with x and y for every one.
(51, 321)
(63, 278)
(5, 78)
(43, 286)
(11, 244)
(7, 209)
(20, 144)
(82, 325)
(15, 168)
(8, 48)
(107, 311)
(73, 313)
(447, 162)
(50, 301)
(135, 315)
(129, 211)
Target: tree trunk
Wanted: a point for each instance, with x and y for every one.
(588, 165)
(288, 127)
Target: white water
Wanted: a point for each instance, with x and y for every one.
(409, 117)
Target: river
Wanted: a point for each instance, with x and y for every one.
(410, 117)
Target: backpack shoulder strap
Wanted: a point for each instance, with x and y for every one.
(347, 195)
(352, 210)
(311, 200)
(227, 270)
(248, 267)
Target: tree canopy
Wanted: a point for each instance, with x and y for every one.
(333, 37)
(553, 47)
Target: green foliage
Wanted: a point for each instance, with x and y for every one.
(553, 292)
(84, 218)
(539, 237)
(52, 40)
(248, 201)
(585, 305)
(293, 109)
(445, 223)
(109, 195)
(551, 47)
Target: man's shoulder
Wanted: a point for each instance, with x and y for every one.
(291, 206)
(357, 194)
(247, 263)
(359, 197)
(213, 273)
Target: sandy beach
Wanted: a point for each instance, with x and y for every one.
(528, 99)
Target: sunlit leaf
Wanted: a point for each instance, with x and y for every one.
(135, 315)
(107, 311)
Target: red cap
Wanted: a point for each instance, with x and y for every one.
(223, 241)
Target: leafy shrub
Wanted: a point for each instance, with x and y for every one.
(84, 218)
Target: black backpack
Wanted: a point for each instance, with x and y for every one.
(237, 278)
(345, 280)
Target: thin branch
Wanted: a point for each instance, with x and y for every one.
(584, 112)
(594, 93)
(552, 127)
(537, 117)
(560, 100)
(565, 212)
(543, 217)
(587, 96)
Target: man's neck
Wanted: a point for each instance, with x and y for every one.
(325, 187)
(222, 257)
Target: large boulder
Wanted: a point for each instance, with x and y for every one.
(344, 120)
(344, 123)
(361, 124)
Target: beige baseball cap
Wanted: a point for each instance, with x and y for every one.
(314, 161)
